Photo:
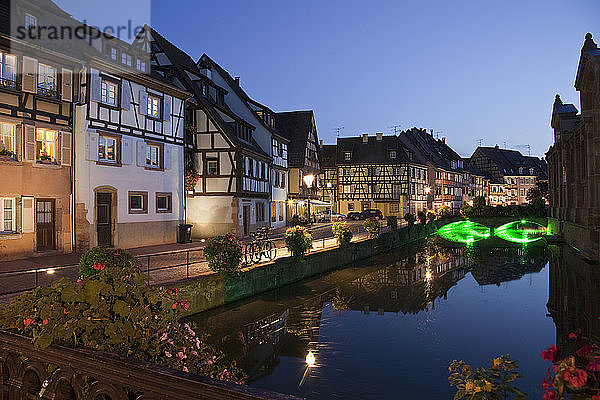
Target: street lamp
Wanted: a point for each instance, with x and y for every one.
(308, 181)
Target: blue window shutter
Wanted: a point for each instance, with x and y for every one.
(93, 146)
(141, 153)
(167, 108)
(96, 89)
(127, 151)
(125, 95)
(167, 159)
(143, 102)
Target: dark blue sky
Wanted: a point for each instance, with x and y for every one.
(471, 69)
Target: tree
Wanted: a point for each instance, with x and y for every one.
(479, 202)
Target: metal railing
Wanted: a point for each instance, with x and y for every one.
(162, 268)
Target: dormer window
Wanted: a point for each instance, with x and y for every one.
(113, 53)
(393, 154)
(140, 65)
(126, 59)
(453, 163)
(30, 21)
(347, 156)
(520, 170)
(530, 171)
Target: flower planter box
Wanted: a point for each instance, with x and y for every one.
(45, 162)
(7, 158)
(190, 192)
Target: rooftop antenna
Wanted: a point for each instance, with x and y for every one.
(505, 144)
(395, 128)
(338, 130)
(480, 142)
(437, 134)
(525, 146)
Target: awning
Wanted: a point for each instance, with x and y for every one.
(319, 203)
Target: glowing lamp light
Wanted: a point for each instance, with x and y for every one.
(50, 271)
(428, 275)
(310, 359)
(309, 179)
(427, 189)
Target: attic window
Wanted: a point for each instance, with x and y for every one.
(530, 171)
(393, 154)
(347, 156)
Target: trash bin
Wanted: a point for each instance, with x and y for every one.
(184, 233)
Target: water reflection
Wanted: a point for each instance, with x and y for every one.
(375, 330)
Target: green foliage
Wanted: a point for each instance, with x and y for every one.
(342, 233)
(224, 254)
(410, 219)
(392, 222)
(466, 210)
(372, 226)
(479, 202)
(97, 258)
(495, 382)
(431, 216)
(115, 311)
(298, 241)
(444, 211)
(422, 215)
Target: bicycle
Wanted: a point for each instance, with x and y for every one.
(260, 247)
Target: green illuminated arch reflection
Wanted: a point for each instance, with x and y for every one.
(521, 231)
(464, 232)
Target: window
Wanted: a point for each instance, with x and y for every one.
(8, 70)
(140, 65)
(396, 171)
(347, 156)
(30, 21)
(396, 190)
(46, 142)
(126, 59)
(347, 189)
(281, 207)
(113, 53)
(153, 106)
(46, 80)
(350, 206)
(260, 212)
(7, 137)
(163, 203)
(283, 180)
(109, 92)
(7, 215)
(393, 154)
(138, 202)
(394, 207)
(107, 148)
(153, 155)
(273, 212)
(212, 167)
(277, 180)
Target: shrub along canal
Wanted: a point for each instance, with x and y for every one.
(389, 327)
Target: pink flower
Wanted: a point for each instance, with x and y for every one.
(98, 266)
(575, 377)
(185, 369)
(168, 354)
(552, 354)
(181, 355)
(572, 336)
(594, 365)
(164, 337)
(45, 321)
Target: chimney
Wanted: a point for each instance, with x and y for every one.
(443, 140)
(321, 142)
(496, 147)
(365, 137)
(237, 80)
(379, 136)
(431, 132)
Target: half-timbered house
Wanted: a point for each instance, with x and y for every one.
(300, 128)
(129, 146)
(36, 100)
(329, 176)
(373, 173)
(233, 190)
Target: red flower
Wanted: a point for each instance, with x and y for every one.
(116, 253)
(575, 377)
(98, 266)
(172, 291)
(584, 350)
(546, 384)
(596, 396)
(594, 365)
(549, 395)
(572, 336)
(45, 321)
(28, 321)
(65, 311)
(174, 306)
(552, 354)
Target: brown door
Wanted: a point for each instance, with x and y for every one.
(246, 213)
(44, 224)
(103, 219)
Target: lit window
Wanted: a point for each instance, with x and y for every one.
(46, 141)
(30, 21)
(153, 156)
(107, 148)
(46, 80)
(7, 215)
(8, 70)
(163, 202)
(212, 167)
(7, 138)
(347, 156)
(154, 106)
(109, 92)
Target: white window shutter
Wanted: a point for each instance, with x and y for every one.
(30, 75)
(66, 148)
(127, 151)
(143, 102)
(141, 153)
(92, 146)
(19, 141)
(167, 108)
(96, 89)
(125, 95)
(29, 145)
(27, 215)
(67, 85)
(167, 160)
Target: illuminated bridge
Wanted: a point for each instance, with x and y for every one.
(522, 231)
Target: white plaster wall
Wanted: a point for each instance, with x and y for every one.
(210, 215)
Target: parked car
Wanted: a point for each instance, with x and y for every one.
(336, 217)
(325, 216)
(354, 215)
(374, 213)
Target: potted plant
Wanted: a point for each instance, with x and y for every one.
(45, 159)
(298, 241)
(224, 254)
(371, 225)
(342, 233)
(191, 178)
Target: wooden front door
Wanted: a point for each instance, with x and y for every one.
(246, 213)
(104, 219)
(44, 224)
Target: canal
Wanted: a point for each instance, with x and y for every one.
(389, 327)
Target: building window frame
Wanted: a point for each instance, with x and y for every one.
(30, 21)
(46, 145)
(212, 166)
(154, 106)
(8, 70)
(154, 155)
(168, 207)
(8, 136)
(110, 92)
(11, 221)
(47, 76)
(103, 142)
(260, 211)
(140, 207)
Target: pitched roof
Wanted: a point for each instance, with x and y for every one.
(295, 125)
(373, 151)
(509, 162)
(428, 149)
(328, 155)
